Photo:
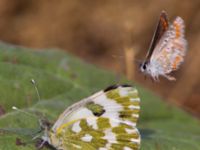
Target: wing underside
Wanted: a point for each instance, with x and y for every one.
(105, 120)
(171, 49)
(83, 134)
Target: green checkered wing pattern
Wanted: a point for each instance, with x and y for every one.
(104, 121)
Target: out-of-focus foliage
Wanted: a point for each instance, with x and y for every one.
(63, 79)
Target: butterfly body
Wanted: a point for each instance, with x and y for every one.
(103, 121)
(167, 50)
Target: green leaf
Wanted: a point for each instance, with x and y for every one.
(62, 79)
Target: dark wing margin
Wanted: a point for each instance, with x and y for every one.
(115, 86)
(161, 27)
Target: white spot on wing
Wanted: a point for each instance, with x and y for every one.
(87, 138)
(123, 91)
(135, 115)
(129, 131)
(129, 123)
(108, 145)
(76, 127)
(135, 140)
(80, 113)
(109, 136)
(92, 122)
(134, 107)
(127, 148)
(134, 99)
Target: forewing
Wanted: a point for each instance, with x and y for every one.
(118, 102)
(106, 120)
(171, 49)
(161, 27)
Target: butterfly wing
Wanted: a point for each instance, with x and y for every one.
(161, 27)
(105, 120)
(97, 133)
(170, 50)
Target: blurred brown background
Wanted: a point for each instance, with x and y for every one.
(109, 33)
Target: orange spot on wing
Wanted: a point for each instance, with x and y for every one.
(164, 23)
(177, 29)
(177, 60)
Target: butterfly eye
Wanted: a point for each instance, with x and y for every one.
(144, 66)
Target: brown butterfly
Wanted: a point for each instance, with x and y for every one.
(167, 48)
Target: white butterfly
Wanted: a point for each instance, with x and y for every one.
(103, 121)
(167, 49)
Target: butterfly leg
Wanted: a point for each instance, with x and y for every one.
(155, 78)
(171, 78)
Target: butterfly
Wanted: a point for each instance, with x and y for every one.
(104, 121)
(167, 49)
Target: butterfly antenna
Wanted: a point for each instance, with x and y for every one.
(25, 112)
(41, 122)
(36, 89)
